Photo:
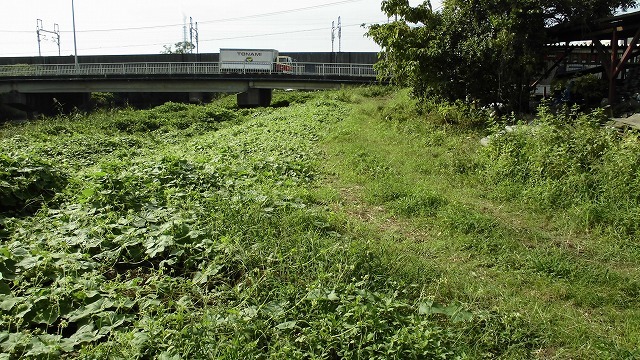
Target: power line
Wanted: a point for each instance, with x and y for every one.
(285, 32)
(282, 12)
(237, 37)
(205, 22)
(287, 11)
(234, 37)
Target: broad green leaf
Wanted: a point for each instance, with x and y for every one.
(98, 174)
(20, 252)
(149, 303)
(90, 293)
(14, 340)
(47, 315)
(7, 270)
(85, 333)
(287, 325)
(4, 252)
(276, 308)
(109, 320)
(38, 348)
(455, 312)
(461, 315)
(66, 344)
(425, 308)
(332, 296)
(7, 302)
(90, 309)
(23, 310)
(139, 338)
(315, 294)
(169, 356)
(29, 262)
(249, 313)
(87, 193)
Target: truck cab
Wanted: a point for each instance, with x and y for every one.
(284, 64)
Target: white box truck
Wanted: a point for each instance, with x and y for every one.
(254, 61)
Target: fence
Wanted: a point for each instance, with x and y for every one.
(194, 68)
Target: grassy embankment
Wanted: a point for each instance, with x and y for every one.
(540, 226)
(344, 226)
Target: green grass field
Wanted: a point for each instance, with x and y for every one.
(351, 224)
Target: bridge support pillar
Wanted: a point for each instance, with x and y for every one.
(44, 103)
(14, 105)
(255, 98)
(196, 97)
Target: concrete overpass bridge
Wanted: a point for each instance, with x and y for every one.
(31, 82)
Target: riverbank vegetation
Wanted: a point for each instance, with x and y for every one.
(348, 224)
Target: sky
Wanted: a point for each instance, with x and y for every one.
(110, 27)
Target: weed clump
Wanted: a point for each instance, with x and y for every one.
(286, 98)
(569, 161)
(170, 117)
(26, 183)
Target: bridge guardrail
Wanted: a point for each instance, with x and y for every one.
(192, 68)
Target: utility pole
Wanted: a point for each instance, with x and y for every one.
(184, 29)
(194, 30)
(339, 35)
(55, 32)
(75, 44)
(333, 34)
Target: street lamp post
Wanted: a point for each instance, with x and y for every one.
(75, 46)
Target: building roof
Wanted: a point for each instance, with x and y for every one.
(626, 26)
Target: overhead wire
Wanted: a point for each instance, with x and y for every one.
(223, 20)
(238, 37)
(246, 17)
(208, 21)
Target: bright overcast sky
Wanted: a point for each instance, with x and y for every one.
(143, 27)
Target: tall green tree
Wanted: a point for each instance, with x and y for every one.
(486, 50)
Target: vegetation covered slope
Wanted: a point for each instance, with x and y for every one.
(343, 226)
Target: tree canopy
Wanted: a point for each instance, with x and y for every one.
(487, 50)
(183, 47)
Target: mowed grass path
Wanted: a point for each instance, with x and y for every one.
(419, 186)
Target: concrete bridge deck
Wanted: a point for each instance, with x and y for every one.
(254, 85)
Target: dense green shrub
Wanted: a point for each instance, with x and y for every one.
(27, 182)
(569, 161)
(286, 98)
(102, 100)
(586, 89)
(404, 107)
(170, 117)
(217, 114)
(375, 91)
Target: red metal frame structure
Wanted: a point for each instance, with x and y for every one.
(623, 27)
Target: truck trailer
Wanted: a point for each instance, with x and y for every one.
(254, 61)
